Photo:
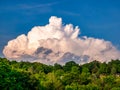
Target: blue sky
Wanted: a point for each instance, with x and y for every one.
(96, 18)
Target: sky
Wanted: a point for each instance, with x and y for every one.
(96, 18)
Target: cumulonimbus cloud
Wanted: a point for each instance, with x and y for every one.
(59, 43)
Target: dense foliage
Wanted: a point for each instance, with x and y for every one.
(71, 76)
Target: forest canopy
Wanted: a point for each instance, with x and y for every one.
(71, 76)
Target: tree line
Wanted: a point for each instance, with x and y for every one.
(71, 76)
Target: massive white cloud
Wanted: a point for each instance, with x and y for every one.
(59, 43)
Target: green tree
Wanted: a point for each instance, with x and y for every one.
(57, 66)
(113, 70)
(52, 83)
(75, 70)
(68, 66)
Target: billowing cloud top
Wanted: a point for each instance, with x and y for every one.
(55, 42)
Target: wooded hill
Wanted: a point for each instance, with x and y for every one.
(71, 76)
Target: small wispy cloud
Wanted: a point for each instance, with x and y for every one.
(28, 6)
(70, 13)
(32, 6)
